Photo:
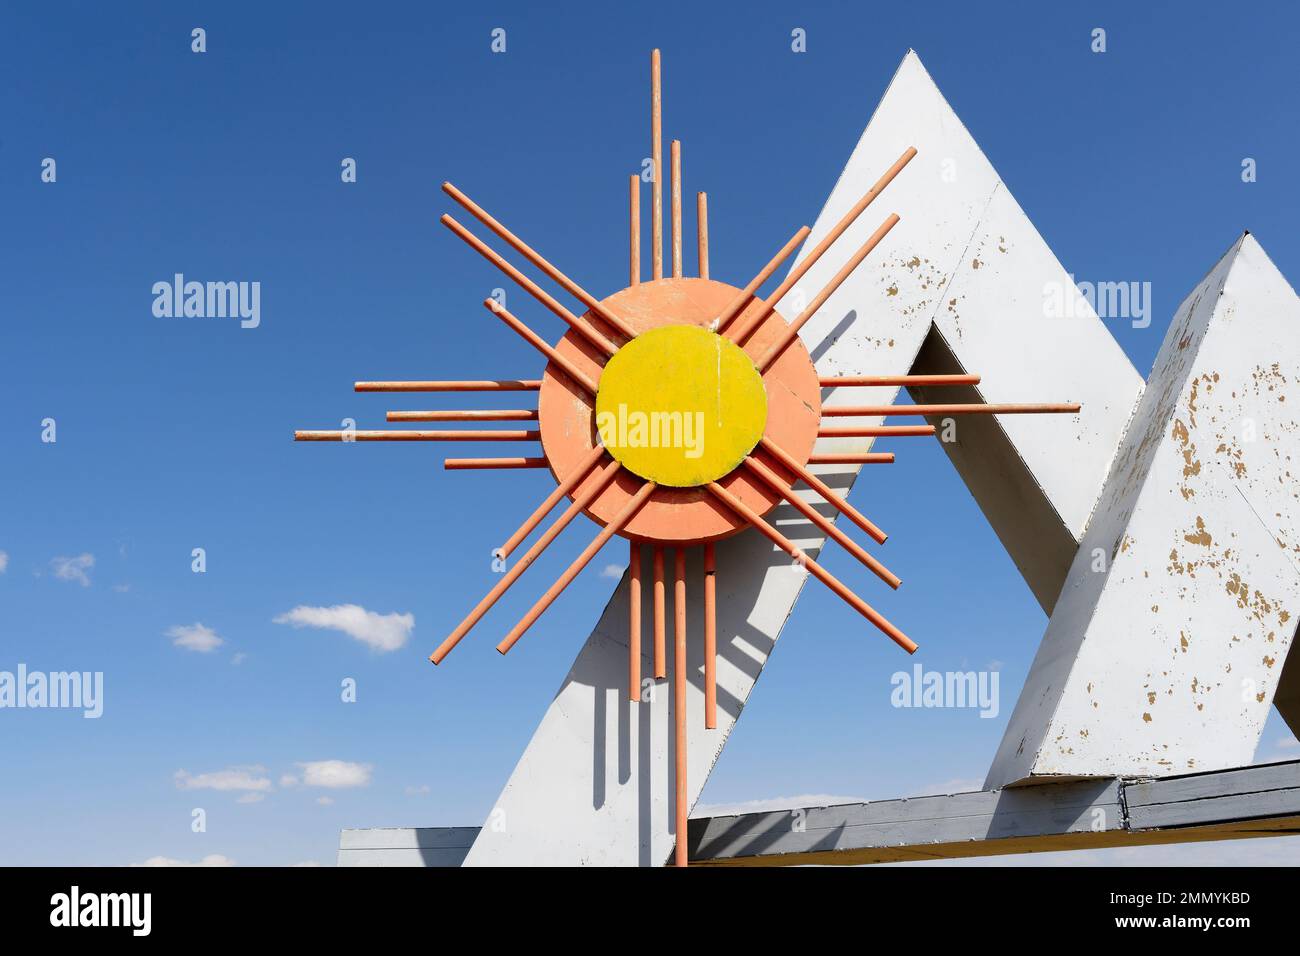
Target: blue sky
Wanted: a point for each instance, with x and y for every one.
(175, 434)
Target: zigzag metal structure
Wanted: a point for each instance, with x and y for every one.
(957, 285)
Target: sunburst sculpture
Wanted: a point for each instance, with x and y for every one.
(675, 413)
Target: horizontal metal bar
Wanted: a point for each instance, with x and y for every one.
(415, 435)
(898, 381)
(968, 408)
(472, 464)
(477, 415)
(509, 385)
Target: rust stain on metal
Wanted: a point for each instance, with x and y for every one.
(1201, 536)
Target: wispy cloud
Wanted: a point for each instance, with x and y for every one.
(73, 569)
(334, 774)
(250, 778)
(4, 561)
(382, 632)
(214, 859)
(612, 571)
(948, 787)
(195, 637)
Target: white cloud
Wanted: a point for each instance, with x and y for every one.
(289, 780)
(74, 569)
(325, 801)
(239, 658)
(214, 859)
(251, 778)
(612, 571)
(195, 637)
(121, 588)
(307, 863)
(382, 632)
(252, 798)
(419, 791)
(335, 774)
(4, 561)
(1286, 743)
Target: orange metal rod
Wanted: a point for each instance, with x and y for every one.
(675, 151)
(875, 431)
(615, 525)
(570, 482)
(532, 288)
(828, 579)
(819, 486)
(537, 342)
(656, 158)
(679, 699)
(634, 233)
(710, 638)
(835, 381)
(634, 622)
(483, 415)
(503, 386)
(864, 458)
(661, 654)
(537, 259)
(738, 304)
(702, 233)
(605, 477)
(498, 435)
(973, 408)
(802, 267)
(789, 333)
(774, 481)
(470, 464)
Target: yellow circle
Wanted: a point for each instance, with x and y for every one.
(680, 405)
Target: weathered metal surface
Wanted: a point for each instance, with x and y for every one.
(1182, 789)
(1165, 647)
(967, 268)
(595, 782)
(1221, 805)
(918, 821)
(405, 846)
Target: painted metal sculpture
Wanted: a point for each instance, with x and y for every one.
(675, 413)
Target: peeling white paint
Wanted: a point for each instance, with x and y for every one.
(1167, 661)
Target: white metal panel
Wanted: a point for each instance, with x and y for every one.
(994, 316)
(1165, 648)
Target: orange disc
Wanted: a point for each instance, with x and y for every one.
(675, 516)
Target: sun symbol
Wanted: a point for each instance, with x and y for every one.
(674, 413)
